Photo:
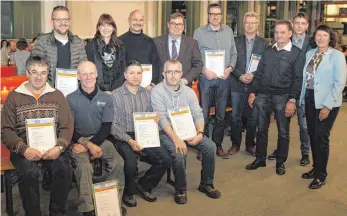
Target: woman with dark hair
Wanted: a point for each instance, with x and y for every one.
(3, 44)
(108, 54)
(324, 78)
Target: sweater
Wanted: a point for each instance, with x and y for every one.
(21, 105)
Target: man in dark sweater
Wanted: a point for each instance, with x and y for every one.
(140, 47)
(277, 83)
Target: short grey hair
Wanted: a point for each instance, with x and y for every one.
(172, 61)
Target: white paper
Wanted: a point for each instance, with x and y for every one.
(215, 61)
(41, 133)
(66, 80)
(146, 75)
(146, 129)
(253, 64)
(182, 122)
(106, 199)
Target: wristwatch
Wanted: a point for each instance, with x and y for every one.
(292, 100)
(61, 149)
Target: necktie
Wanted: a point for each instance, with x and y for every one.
(174, 54)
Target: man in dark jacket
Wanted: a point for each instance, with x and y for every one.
(246, 45)
(60, 47)
(277, 84)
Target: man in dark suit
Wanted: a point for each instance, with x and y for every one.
(302, 41)
(246, 45)
(176, 46)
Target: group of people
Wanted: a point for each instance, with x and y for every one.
(96, 120)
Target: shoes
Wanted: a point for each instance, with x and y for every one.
(256, 164)
(209, 190)
(305, 160)
(221, 153)
(46, 179)
(129, 201)
(316, 183)
(146, 195)
(199, 156)
(272, 156)
(250, 151)
(181, 196)
(308, 175)
(280, 168)
(90, 213)
(233, 150)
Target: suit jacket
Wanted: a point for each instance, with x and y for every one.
(305, 48)
(329, 80)
(240, 68)
(189, 56)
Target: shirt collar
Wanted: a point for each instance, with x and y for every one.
(299, 39)
(211, 30)
(287, 47)
(178, 40)
(251, 40)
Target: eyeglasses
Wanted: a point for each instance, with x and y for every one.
(37, 74)
(215, 14)
(176, 24)
(65, 20)
(173, 72)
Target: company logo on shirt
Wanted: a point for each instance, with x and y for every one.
(99, 103)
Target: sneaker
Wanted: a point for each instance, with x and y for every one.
(146, 195)
(305, 160)
(129, 201)
(209, 190)
(181, 196)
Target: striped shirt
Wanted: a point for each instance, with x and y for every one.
(125, 104)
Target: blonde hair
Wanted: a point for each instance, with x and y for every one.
(251, 14)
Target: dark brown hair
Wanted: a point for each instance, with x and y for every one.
(285, 22)
(302, 15)
(107, 19)
(328, 30)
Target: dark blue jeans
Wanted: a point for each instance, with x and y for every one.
(304, 137)
(239, 103)
(216, 91)
(265, 104)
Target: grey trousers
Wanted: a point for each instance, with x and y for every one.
(84, 173)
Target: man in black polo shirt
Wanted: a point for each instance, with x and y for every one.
(92, 112)
(277, 83)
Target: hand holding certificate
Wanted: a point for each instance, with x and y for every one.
(106, 199)
(215, 61)
(146, 129)
(66, 80)
(253, 64)
(41, 133)
(146, 75)
(182, 122)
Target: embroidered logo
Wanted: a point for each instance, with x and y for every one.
(99, 103)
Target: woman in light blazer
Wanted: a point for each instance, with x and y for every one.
(324, 78)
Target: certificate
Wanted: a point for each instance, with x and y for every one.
(182, 122)
(106, 199)
(146, 75)
(146, 129)
(41, 133)
(253, 64)
(215, 61)
(66, 80)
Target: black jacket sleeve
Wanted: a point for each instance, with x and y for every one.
(102, 134)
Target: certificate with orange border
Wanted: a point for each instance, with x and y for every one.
(41, 133)
(106, 198)
(66, 80)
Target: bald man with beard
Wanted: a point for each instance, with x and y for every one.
(139, 46)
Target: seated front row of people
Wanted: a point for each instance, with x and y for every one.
(86, 129)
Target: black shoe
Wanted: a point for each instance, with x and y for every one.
(305, 160)
(209, 190)
(316, 183)
(181, 196)
(280, 168)
(308, 175)
(272, 156)
(90, 213)
(129, 201)
(256, 164)
(146, 195)
(124, 211)
(46, 179)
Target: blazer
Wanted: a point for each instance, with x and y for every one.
(240, 68)
(329, 80)
(189, 56)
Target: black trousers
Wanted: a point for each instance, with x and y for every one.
(28, 183)
(158, 157)
(319, 132)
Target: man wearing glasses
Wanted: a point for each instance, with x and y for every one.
(171, 93)
(61, 48)
(216, 37)
(179, 47)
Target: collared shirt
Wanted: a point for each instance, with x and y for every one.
(178, 45)
(298, 41)
(125, 104)
(249, 48)
(287, 47)
(222, 39)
